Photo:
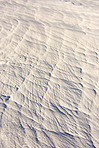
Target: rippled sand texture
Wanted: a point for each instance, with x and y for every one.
(49, 74)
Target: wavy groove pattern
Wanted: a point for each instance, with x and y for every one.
(49, 83)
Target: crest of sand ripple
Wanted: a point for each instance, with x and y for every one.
(49, 83)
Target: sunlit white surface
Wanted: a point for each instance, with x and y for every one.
(49, 74)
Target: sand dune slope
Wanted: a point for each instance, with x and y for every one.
(49, 74)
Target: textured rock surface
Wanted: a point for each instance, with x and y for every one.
(49, 74)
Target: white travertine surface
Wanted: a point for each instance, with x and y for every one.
(49, 74)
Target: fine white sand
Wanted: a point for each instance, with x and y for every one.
(49, 74)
